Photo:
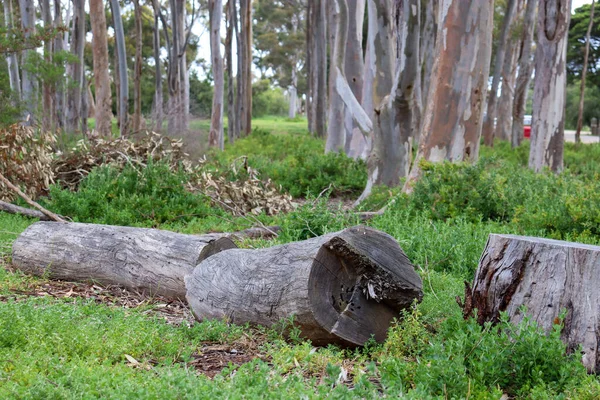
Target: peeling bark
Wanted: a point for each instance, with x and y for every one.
(215, 8)
(103, 109)
(548, 129)
(452, 119)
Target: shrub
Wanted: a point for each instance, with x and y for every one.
(146, 197)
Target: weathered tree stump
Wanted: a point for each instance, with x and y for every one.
(340, 288)
(149, 260)
(546, 277)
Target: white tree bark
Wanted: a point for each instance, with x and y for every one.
(103, 110)
(122, 57)
(27, 9)
(548, 129)
(75, 70)
(355, 70)
(11, 58)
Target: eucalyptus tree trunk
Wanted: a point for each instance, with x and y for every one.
(503, 129)
(231, 115)
(293, 89)
(27, 9)
(452, 119)
(355, 70)
(75, 70)
(490, 116)
(158, 91)
(239, 89)
(430, 20)
(48, 87)
(59, 95)
(548, 129)
(321, 62)
(390, 157)
(137, 69)
(215, 137)
(336, 133)
(11, 58)
(103, 109)
(123, 92)
(184, 89)
(311, 66)
(245, 79)
(524, 76)
(583, 74)
(174, 78)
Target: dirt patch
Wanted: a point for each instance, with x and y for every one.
(212, 359)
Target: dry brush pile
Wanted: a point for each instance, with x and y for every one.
(28, 159)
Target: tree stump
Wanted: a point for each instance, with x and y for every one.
(546, 277)
(341, 288)
(143, 259)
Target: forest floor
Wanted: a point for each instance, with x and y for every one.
(77, 340)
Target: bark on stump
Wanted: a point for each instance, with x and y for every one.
(546, 277)
(148, 260)
(341, 288)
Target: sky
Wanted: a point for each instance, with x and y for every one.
(579, 3)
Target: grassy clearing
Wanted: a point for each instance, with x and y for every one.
(88, 345)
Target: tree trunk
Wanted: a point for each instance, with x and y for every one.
(11, 58)
(27, 9)
(548, 129)
(137, 69)
(546, 277)
(311, 66)
(136, 258)
(184, 88)
(231, 115)
(245, 75)
(393, 124)
(59, 45)
(524, 77)
(354, 69)
(583, 74)
(336, 133)
(430, 18)
(503, 130)
(103, 109)
(123, 92)
(452, 119)
(158, 92)
(215, 137)
(47, 86)
(489, 123)
(75, 69)
(341, 288)
(321, 61)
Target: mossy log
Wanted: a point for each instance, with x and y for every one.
(341, 288)
(543, 277)
(148, 260)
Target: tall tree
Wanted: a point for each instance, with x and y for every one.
(245, 55)
(11, 58)
(389, 160)
(47, 89)
(336, 133)
(27, 9)
(215, 9)
(103, 105)
(430, 20)
(524, 72)
(158, 90)
(137, 71)
(490, 116)
(583, 75)
(355, 70)
(231, 115)
(547, 132)
(75, 69)
(452, 120)
(59, 46)
(312, 66)
(123, 91)
(321, 61)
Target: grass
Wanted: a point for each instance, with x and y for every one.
(79, 347)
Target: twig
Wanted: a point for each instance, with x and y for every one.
(32, 203)
(242, 215)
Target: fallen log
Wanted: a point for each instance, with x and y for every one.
(28, 212)
(148, 260)
(341, 288)
(546, 277)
